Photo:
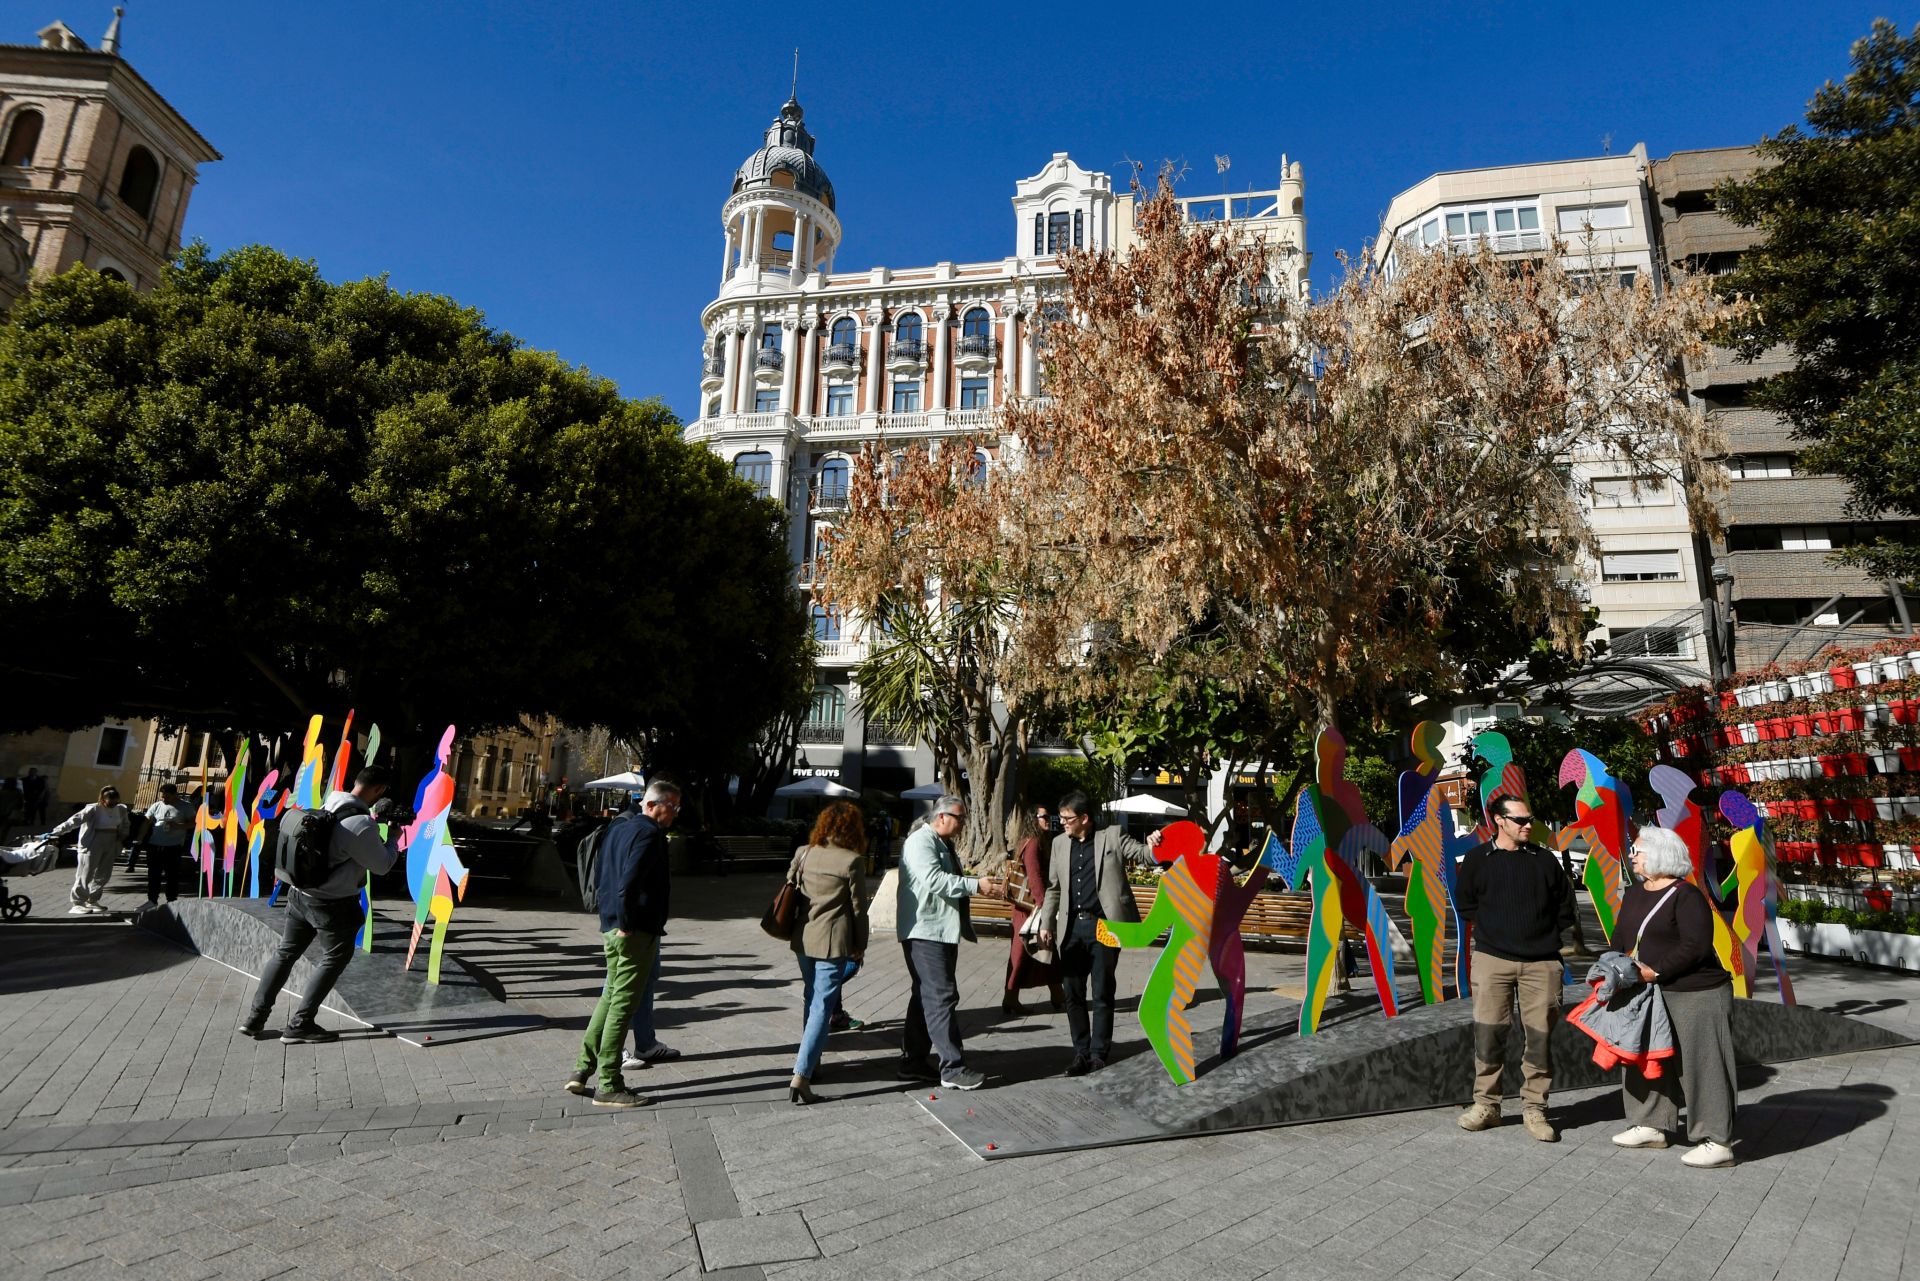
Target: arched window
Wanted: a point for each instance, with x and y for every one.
(907, 328)
(770, 336)
(1057, 233)
(113, 274)
(833, 479)
(139, 180)
(845, 332)
(23, 139)
(756, 469)
(713, 407)
(977, 471)
(826, 623)
(976, 324)
(829, 706)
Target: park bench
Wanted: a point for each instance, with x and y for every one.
(745, 853)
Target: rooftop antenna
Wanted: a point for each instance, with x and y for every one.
(795, 94)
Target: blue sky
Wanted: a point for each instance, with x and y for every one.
(562, 166)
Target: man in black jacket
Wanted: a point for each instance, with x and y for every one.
(633, 914)
(1518, 900)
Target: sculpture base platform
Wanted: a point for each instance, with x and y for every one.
(377, 989)
(1358, 1064)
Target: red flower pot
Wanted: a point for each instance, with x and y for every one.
(1879, 900)
(1910, 759)
(1799, 725)
(1849, 719)
(1905, 711)
(1795, 851)
(1842, 674)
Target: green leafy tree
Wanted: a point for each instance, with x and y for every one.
(1539, 745)
(253, 494)
(1835, 282)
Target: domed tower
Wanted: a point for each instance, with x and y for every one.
(780, 224)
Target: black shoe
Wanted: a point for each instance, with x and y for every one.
(577, 1084)
(309, 1034)
(252, 1029)
(962, 1078)
(909, 1070)
(1080, 1066)
(1096, 1064)
(844, 1022)
(620, 1098)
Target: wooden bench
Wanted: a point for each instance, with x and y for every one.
(1274, 918)
(763, 851)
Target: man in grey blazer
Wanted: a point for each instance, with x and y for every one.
(1087, 880)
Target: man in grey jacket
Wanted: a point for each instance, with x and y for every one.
(1087, 880)
(329, 911)
(931, 919)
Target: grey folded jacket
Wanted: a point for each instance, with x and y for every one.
(1626, 1018)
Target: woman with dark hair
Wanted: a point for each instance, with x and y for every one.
(830, 871)
(1023, 970)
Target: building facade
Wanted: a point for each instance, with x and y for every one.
(804, 364)
(1651, 579)
(1777, 592)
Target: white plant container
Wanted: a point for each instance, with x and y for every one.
(1825, 939)
(1887, 762)
(1877, 714)
(1748, 696)
(1798, 685)
(1820, 682)
(1866, 674)
(1885, 808)
(1892, 667)
(1749, 733)
(1895, 951)
(1913, 662)
(1777, 691)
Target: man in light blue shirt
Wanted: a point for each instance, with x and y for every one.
(932, 919)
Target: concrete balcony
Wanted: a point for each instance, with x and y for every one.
(842, 355)
(840, 653)
(909, 354)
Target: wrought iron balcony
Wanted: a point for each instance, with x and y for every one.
(713, 368)
(907, 351)
(885, 733)
(823, 731)
(977, 345)
(829, 498)
(843, 355)
(769, 358)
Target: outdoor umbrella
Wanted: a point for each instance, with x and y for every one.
(814, 787)
(924, 792)
(627, 782)
(1144, 804)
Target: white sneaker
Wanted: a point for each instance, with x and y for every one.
(1640, 1136)
(79, 909)
(96, 909)
(1709, 1156)
(633, 1063)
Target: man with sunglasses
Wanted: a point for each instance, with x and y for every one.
(1519, 902)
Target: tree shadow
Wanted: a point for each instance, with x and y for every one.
(44, 957)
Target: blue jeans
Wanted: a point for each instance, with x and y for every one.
(823, 980)
(642, 1022)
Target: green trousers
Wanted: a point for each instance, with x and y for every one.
(629, 962)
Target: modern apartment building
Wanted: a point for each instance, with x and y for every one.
(1777, 592)
(804, 363)
(1650, 580)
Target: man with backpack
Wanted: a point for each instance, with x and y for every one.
(323, 857)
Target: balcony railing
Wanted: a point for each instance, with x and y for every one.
(841, 651)
(977, 345)
(829, 498)
(769, 358)
(823, 732)
(908, 351)
(842, 355)
(904, 424)
(714, 366)
(887, 734)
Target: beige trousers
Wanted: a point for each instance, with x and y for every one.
(1498, 985)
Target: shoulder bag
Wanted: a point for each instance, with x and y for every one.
(788, 911)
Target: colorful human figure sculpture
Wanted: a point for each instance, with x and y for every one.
(1603, 809)
(1503, 777)
(343, 756)
(1427, 839)
(309, 790)
(258, 815)
(236, 795)
(1683, 818)
(203, 825)
(1758, 885)
(1310, 863)
(364, 940)
(435, 874)
(1199, 907)
(1349, 838)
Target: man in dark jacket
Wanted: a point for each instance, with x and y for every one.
(633, 914)
(1519, 901)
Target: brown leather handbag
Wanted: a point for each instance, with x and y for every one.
(788, 911)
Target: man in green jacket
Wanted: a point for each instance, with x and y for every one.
(932, 919)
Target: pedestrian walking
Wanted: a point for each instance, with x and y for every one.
(1519, 902)
(1086, 881)
(1672, 925)
(103, 830)
(1032, 857)
(169, 824)
(329, 911)
(931, 919)
(634, 890)
(830, 945)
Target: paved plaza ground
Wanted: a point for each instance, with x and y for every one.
(139, 1137)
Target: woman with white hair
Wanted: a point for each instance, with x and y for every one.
(1669, 925)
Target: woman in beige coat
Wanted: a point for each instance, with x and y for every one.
(829, 869)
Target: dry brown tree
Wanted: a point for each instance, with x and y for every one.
(1214, 458)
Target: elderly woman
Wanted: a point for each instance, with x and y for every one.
(1668, 925)
(103, 828)
(829, 869)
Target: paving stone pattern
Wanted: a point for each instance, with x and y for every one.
(140, 1138)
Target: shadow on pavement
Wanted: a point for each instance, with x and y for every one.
(1802, 1119)
(43, 957)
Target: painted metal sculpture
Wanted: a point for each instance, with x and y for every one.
(1350, 838)
(1427, 840)
(1758, 901)
(435, 874)
(1503, 777)
(258, 815)
(1603, 810)
(1683, 818)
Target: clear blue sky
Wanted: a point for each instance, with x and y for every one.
(561, 166)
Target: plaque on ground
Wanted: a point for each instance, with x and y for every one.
(377, 989)
(1358, 1064)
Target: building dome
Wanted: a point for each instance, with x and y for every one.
(788, 151)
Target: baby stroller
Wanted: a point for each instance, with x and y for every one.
(30, 858)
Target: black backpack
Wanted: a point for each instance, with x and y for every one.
(586, 861)
(304, 852)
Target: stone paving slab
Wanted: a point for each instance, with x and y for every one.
(769, 1238)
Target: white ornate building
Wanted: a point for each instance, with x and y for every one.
(804, 365)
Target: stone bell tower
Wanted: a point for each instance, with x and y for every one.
(95, 166)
